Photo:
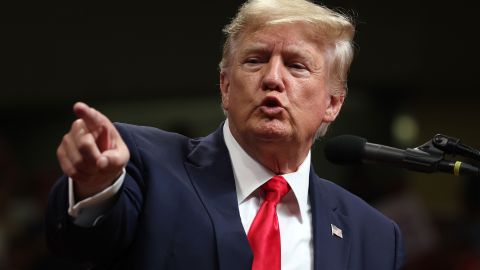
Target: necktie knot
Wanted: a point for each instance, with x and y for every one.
(275, 189)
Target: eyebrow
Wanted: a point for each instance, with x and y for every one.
(290, 50)
(255, 48)
(294, 51)
(297, 52)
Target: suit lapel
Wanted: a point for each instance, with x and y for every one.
(330, 250)
(210, 171)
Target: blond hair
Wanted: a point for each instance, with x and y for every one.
(334, 30)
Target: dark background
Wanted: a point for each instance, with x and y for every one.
(414, 75)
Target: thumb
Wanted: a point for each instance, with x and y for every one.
(113, 159)
(102, 162)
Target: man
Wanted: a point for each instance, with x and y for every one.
(244, 197)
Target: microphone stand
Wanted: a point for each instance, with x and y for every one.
(453, 146)
(430, 156)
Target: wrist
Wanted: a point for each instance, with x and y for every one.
(85, 189)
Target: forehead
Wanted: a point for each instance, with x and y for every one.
(295, 37)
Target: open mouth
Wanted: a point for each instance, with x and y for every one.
(271, 102)
(271, 107)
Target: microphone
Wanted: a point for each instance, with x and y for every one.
(350, 149)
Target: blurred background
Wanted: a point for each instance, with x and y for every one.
(414, 75)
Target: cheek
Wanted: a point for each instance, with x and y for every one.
(311, 102)
(308, 97)
(243, 87)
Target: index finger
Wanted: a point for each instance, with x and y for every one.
(93, 119)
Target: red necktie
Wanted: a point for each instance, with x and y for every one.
(264, 233)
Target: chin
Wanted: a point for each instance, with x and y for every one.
(271, 130)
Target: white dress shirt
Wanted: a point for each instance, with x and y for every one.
(293, 211)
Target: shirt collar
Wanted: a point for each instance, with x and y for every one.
(250, 174)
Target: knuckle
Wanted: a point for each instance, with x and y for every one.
(60, 152)
(77, 124)
(85, 142)
(78, 163)
(81, 163)
(61, 155)
(65, 138)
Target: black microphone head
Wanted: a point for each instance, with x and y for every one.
(345, 149)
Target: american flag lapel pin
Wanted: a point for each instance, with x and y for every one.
(336, 231)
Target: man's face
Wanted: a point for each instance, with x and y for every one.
(275, 88)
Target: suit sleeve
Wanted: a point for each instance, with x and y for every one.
(399, 248)
(113, 233)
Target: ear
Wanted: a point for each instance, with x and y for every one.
(333, 107)
(224, 89)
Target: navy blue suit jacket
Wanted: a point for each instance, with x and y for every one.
(178, 209)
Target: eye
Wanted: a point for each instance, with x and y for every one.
(252, 60)
(298, 66)
(253, 63)
(298, 69)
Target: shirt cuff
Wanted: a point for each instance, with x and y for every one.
(89, 211)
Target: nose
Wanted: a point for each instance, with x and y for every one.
(273, 78)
